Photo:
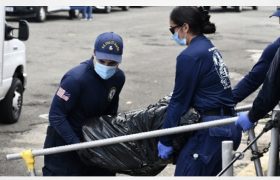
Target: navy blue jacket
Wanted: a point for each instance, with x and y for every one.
(269, 95)
(83, 94)
(202, 81)
(252, 81)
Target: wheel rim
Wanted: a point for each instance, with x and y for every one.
(108, 9)
(77, 12)
(42, 13)
(17, 102)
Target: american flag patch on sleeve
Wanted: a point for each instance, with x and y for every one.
(63, 94)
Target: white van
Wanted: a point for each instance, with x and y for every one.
(13, 75)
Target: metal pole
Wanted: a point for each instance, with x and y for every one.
(32, 172)
(274, 153)
(227, 153)
(257, 162)
(241, 154)
(251, 135)
(274, 144)
(243, 108)
(126, 138)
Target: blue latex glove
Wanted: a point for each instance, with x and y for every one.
(243, 121)
(164, 151)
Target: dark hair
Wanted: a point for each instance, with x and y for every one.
(196, 17)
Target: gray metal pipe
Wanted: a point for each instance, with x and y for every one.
(126, 138)
(32, 172)
(227, 153)
(273, 153)
(257, 162)
(274, 144)
(243, 108)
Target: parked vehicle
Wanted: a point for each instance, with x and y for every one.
(236, 8)
(13, 75)
(108, 9)
(39, 13)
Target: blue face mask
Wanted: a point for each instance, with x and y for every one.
(105, 72)
(181, 42)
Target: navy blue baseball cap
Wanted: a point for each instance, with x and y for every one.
(276, 13)
(109, 46)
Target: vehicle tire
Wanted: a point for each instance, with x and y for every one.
(41, 14)
(206, 8)
(76, 13)
(238, 8)
(11, 105)
(107, 9)
(255, 7)
(125, 8)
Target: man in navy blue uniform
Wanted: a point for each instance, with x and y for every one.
(253, 80)
(202, 81)
(269, 95)
(87, 90)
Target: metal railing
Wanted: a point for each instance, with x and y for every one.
(228, 153)
(156, 133)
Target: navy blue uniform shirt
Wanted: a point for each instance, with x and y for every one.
(269, 95)
(252, 81)
(83, 94)
(202, 81)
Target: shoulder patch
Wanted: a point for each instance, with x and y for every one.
(63, 94)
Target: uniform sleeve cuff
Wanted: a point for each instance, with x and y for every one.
(166, 140)
(251, 117)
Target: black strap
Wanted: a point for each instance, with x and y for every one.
(218, 112)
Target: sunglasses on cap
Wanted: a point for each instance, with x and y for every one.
(171, 29)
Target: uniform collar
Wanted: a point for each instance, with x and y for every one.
(197, 38)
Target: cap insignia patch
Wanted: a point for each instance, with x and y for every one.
(112, 43)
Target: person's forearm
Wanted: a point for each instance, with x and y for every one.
(269, 95)
(64, 130)
(266, 100)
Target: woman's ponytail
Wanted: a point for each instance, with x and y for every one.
(207, 26)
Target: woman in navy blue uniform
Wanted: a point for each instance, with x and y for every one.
(87, 90)
(202, 81)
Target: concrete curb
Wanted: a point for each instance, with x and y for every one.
(250, 169)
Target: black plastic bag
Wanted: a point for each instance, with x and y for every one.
(135, 158)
